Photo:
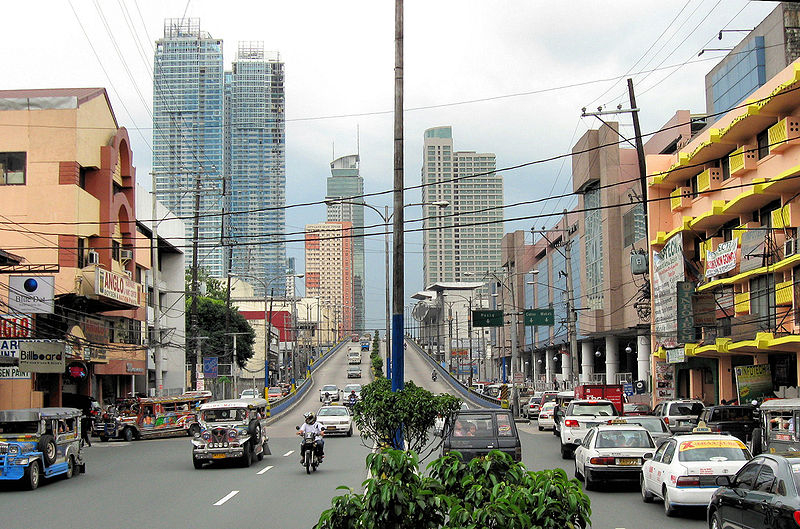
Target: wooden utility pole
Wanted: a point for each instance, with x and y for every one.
(155, 340)
(195, 287)
(398, 261)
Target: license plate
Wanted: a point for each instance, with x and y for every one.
(217, 456)
(627, 462)
(330, 427)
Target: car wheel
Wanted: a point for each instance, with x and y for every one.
(647, 496)
(541, 428)
(588, 481)
(194, 430)
(756, 442)
(578, 475)
(565, 452)
(47, 446)
(32, 475)
(127, 434)
(198, 463)
(70, 468)
(669, 509)
(716, 521)
(247, 457)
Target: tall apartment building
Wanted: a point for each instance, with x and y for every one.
(345, 181)
(188, 132)
(466, 237)
(329, 270)
(256, 163)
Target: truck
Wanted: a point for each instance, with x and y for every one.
(612, 392)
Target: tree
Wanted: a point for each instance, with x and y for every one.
(211, 323)
(487, 492)
(214, 288)
(376, 343)
(381, 413)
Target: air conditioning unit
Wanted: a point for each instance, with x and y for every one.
(126, 255)
(789, 247)
(93, 257)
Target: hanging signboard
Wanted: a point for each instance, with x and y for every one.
(12, 329)
(723, 259)
(487, 318)
(539, 317)
(753, 382)
(685, 311)
(115, 286)
(31, 294)
(42, 356)
(667, 271)
(753, 249)
(676, 356)
(665, 381)
(705, 309)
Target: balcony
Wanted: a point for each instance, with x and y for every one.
(743, 160)
(741, 303)
(783, 293)
(709, 179)
(680, 198)
(784, 133)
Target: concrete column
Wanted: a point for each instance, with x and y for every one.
(587, 360)
(566, 364)
(643, 357)
(548, 361)
(612, 359)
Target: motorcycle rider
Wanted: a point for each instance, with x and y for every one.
(311, 425)
(352, 399)
(433, 375)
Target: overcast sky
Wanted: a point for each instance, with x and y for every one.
(522, 69)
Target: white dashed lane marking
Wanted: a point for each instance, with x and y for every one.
(287, 454)
(230, 495)
(264, 470)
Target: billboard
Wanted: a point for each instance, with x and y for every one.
(753, 382)
(723, 259)
(115, 286)
(12, 329)
(667, 272)
(31, 294)
(42, 357)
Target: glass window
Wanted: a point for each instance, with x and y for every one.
(747, 475)
(713, 450)
(686, 408)
(603, 409)
(669, 452)
(504, 425)
(766, 478)
(12, 168)
(660, 453)
(763, 143)
(623, 439)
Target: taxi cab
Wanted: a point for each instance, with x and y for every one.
(612, 451)
(684, 469)
(336, 419)
(579, 417)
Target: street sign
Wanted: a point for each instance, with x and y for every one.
(539, 317)
(519, 378)
(211, 367)
(627, 388)
(487, 318)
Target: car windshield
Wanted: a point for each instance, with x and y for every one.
(549, 405)
(332, 411)
(651, 424)
(715, 450)
(225, 415)
(353, 387)
(603, 409)
(473, 426)
(685, 408)
(19, 427)
(329, 388)
(623, 439)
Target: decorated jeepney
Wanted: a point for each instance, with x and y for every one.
(154, 417)
(779, 428)
(231, 429)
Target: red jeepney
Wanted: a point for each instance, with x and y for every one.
(612, 392)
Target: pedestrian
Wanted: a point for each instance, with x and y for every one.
(86, 426)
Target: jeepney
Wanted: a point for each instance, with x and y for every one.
(154, 417)
(40, 443)
(231, 429)
(778, 429)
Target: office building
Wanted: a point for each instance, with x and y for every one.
(465, 237)
(345, 183)
(188, 133)
(256, 163)
(329, 270)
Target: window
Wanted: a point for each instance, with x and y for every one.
(115, 250)
(669, 452)
(81, 253)
(725, 167)
(660, 453)
(766, 478)
(762, 139)
(633, 226)
(12, 168)
(762, 291)
(746, 477)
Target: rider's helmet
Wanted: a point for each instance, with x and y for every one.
(352, 392)
(309, 417)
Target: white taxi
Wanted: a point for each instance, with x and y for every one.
(335, 419)
(612, 452)
(684, 470)
(579, 417)
(546, 416)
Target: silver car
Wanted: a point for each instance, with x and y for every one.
(680, 416)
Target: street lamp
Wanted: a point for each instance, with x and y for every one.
(267, 319)
(386, 217)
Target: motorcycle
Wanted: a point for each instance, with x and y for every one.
(310, 458)
(433, 376)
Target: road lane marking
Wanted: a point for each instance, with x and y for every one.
(264, 470)
(230, 495)
(290, 452)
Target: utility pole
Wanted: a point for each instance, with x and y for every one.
(195, 287)
(388, 331)
(267, 340)
(469, 330)
(571, 313)
(155, 340)
(398, 284)
(639, 150)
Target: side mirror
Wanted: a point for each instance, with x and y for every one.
(579, 442)
(648, 455)
(297, 427)
(724, 481)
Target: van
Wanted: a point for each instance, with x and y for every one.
(476, 432)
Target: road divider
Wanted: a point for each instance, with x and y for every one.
(228, 496)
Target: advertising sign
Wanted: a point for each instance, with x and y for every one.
(665, 381)
(41, 356)
(31, 294)
(676, 356)
(667, 271)
(12, 328)
(685, 311)
(753, 382)
(114, 286)
(705, 310)
(753, 250)
(210, 367)
(458, 352)
(723, 259)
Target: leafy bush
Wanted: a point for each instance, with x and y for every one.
(377, 365)
(488, 492)
(381, 412)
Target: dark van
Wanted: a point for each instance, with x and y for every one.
(475, 433)
(738, 421)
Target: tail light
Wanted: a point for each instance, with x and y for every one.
(544, 415)
(666, 420)
(715, 428)
(571, 423)
(797, 518)
(688, 481)
(602, 460)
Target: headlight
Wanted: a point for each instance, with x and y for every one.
(13, 450)
(205, 435)
(22, 461)
(232, 434)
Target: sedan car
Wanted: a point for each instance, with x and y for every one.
(530, 409)
(654, 425)
(546, 419)
(354, 372)
(579, 416)
(335, 419)
(274, 393)
(684, 469)
(349, 388)
(765, 493)
(249, 394)
(329, 391)
(630, 408)
(612, 452)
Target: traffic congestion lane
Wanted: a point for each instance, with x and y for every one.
(154, 484)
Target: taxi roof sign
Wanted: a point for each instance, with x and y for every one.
(618, 421)
(701, 428)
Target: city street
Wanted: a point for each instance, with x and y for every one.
(153, 484)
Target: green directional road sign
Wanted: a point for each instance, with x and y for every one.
(539, 317)
(487, 318)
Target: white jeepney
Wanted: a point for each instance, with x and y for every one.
(234, 428)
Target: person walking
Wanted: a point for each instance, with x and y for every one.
(86, 426)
